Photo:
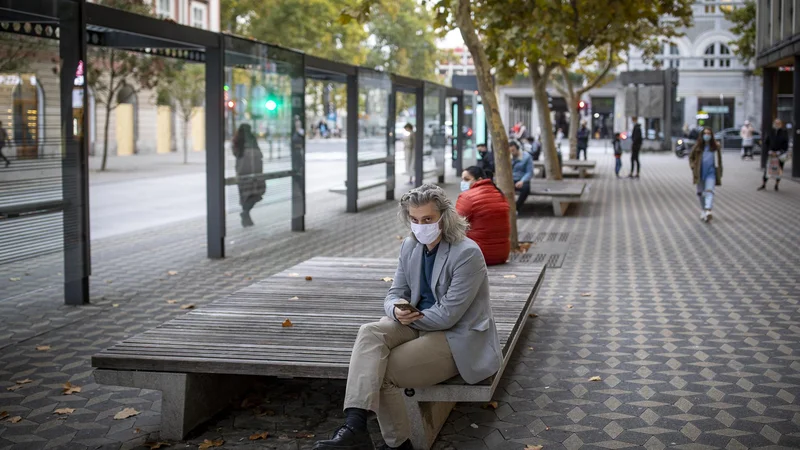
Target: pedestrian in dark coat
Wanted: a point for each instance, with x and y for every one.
(249, 165)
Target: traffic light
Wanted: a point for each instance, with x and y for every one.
(581, 105)
(271, 105)
(231, 104)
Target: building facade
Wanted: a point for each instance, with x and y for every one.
(777, 55)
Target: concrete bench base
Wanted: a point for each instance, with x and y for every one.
(187, 399)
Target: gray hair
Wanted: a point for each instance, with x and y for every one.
(454, 227)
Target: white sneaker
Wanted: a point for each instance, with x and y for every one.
(703, 215)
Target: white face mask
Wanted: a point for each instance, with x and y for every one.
(426, 233)
(465, 185)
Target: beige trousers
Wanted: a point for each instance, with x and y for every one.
(388, 356)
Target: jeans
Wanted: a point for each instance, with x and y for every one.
(584, 153)
(635, 162)
(523, 192)
(705, 191)
(618, 166)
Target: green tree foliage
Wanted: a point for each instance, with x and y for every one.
(744, 26)
(552, 36)
(110, 70)
(182, 86)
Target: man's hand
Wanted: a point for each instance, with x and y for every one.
(518, 185)
(406, 317)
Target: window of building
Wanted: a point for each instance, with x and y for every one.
(673, 54)
(717, 49)
(712, 8)
(199, 14)
(165, 8)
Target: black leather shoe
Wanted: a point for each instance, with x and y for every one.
(346, 438)
(405, 446)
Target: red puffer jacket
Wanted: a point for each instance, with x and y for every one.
(486, 209)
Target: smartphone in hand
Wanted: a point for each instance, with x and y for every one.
(407, 307)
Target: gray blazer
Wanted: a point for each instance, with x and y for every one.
(462, 310)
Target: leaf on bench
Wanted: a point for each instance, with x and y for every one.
(171, 302)
(586, 294)
(388, 279)
(533, 315)
(172, 273)
(70, 389)
(15, 387)
(304, 436)
(510, 276)
(125, 413)
(257, 436)
(490, 405)
(187, 306)
(595, 378)
(15, 419)
(569, 306)
(14, 279)
(3, 414)
(295, 298)
(400, 238)
(43, 348)
(308, 278)
(294, 274)
(25, 381)
(65, 411)
(533, 447)
(206, 444)
(287, 323)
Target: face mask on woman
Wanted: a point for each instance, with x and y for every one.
(706, 137)
(426, 233)
(465, 185)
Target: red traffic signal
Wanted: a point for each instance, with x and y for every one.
(581, 104)
(230, 104)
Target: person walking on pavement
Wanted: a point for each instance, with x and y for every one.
(775, 145)
(408, 148)
(3, 140)
(583, 141)
(485, 207)
(487, 160)
(636, 147)
(746, 133)
(617, 153)
(249, 164)
(522, 172)
(705, 161)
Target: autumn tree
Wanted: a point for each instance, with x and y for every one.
(182, 85)
(111, 70)
(744, 26)
(554, 37)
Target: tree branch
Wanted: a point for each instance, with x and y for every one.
(603, 73)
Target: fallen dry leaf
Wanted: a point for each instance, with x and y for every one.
(509, 276)
(15, 387)
(15, 279)
(208, 444)
(586, 294)
(533, 315)
(399, 238)
(304, 436)
(43, 348)
(172, 272)
(125, 413)
(308, 278)
(569, 306)
(294, 274)
(15, 419)
(287, 323)
(533, 447)
(492, 405)
(155, 445)
(25, 381)
(257, 436)
(70, 389)
(188, 306)
(172, 302)
(474, 425)
(295, 298)
(595, 378)
(115, 305)
(65, 411)
(3, 414)
(387, 279)
(137, 431)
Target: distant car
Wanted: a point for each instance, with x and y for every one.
(729, 139)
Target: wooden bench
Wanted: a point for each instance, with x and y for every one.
(562, 193)
(201, 361)
(578, 164)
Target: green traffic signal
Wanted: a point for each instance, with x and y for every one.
(271, 105)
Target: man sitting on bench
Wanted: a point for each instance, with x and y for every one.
(439, 324)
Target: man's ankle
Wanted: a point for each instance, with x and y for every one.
(356, 418)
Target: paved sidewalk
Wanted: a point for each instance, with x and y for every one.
(692, 327)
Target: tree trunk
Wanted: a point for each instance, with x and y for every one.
(551, 165)
(574, 124)
(186, 139)
(502, 157)
(105, 134)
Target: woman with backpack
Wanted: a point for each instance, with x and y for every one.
(486, 209)
(706, 163)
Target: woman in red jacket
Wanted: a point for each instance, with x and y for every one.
(486, 209)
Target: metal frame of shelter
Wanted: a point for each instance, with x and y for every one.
(78, 24)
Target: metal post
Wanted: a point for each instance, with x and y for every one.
(796, 118)
(299, 151)
(391, 139)
(419, 137)
(215, 150)
(75, 165)
(352, 143)
(440, 129)
(460, 136)
(767, 106)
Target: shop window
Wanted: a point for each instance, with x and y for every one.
(23, 120)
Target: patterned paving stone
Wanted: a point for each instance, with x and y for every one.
(692, 328)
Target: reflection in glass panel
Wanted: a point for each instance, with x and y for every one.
(264, 129)
(468, 128)
(374, 89)
(434, 146)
